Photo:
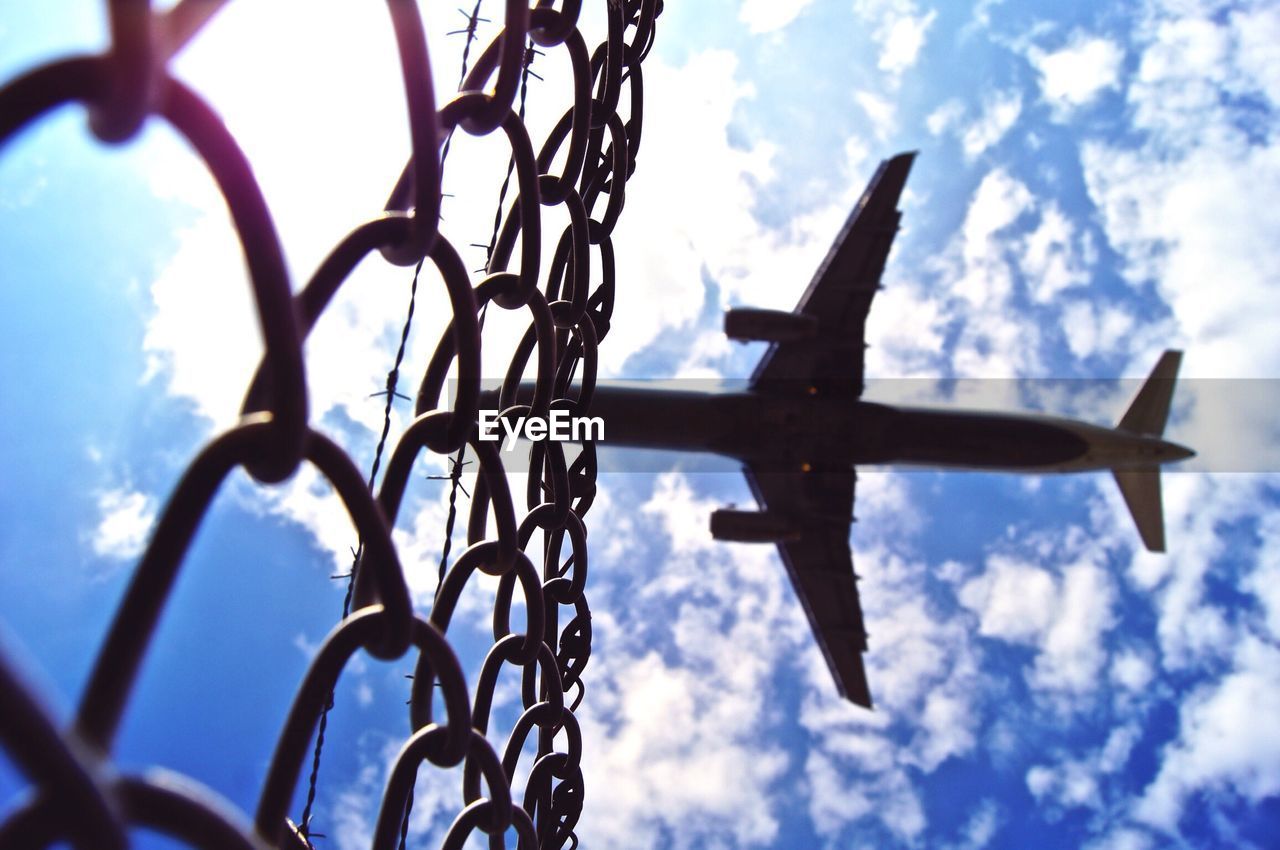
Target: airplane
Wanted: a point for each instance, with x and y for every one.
(801, 427)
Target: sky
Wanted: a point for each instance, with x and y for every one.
(1094, 184)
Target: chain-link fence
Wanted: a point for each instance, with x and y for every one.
(77, 794)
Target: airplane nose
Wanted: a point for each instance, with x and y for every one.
(1173, 451)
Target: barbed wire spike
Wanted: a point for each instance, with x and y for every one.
(473, 19)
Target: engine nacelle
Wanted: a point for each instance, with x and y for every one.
(752, 526)
(751, 323)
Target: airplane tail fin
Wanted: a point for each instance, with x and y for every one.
(1147, 415)
(1149, 409)
(1141, 491)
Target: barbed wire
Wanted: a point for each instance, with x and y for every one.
(78, 794)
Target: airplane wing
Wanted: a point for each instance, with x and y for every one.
(820, 564)
(839, 297)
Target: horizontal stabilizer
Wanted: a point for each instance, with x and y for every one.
(1141, 490)
(1149, 409)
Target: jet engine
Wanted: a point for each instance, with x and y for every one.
(751, 323)
(752, 526)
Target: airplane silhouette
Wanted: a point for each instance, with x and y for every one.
(801, 428)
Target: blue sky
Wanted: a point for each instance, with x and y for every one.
(1093, 186)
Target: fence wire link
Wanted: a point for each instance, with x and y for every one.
(77, 793)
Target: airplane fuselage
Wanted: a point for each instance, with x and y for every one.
(788, 432)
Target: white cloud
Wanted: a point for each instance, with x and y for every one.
(832, 804)
(982, 14)
(1080, 782)
(945, 116)
(905, 330)
(999, 201)
(1095, 328)
(1221, 745)
(202, 339)
(903, 41)
(981, 266)
(1000, 110)
(1072, 652)
(924, 673)
(1077, 73)
(1071, 785)
(1014, 601)
(1064, 618)
(888, 506)
(713, 231)
(981, 826)
(1189, 227)
(1121, 839)
(686, 745)
(1256, 31)
(684, 726)
(1217, 756)
(1050, 259)
(1192, 631)
(1131, 671)
(762, 16)
(1120, 743)
(686, 144)
(125, 518)
(880, 110)
(353, 810)
(996, 116)
(835, 801)
(1008, 236)
(1264, 581)
(1180, 206)
(707, 351)
(295, 115)
(900, 30)
(978, 269)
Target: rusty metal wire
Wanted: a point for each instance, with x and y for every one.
(78, 795)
